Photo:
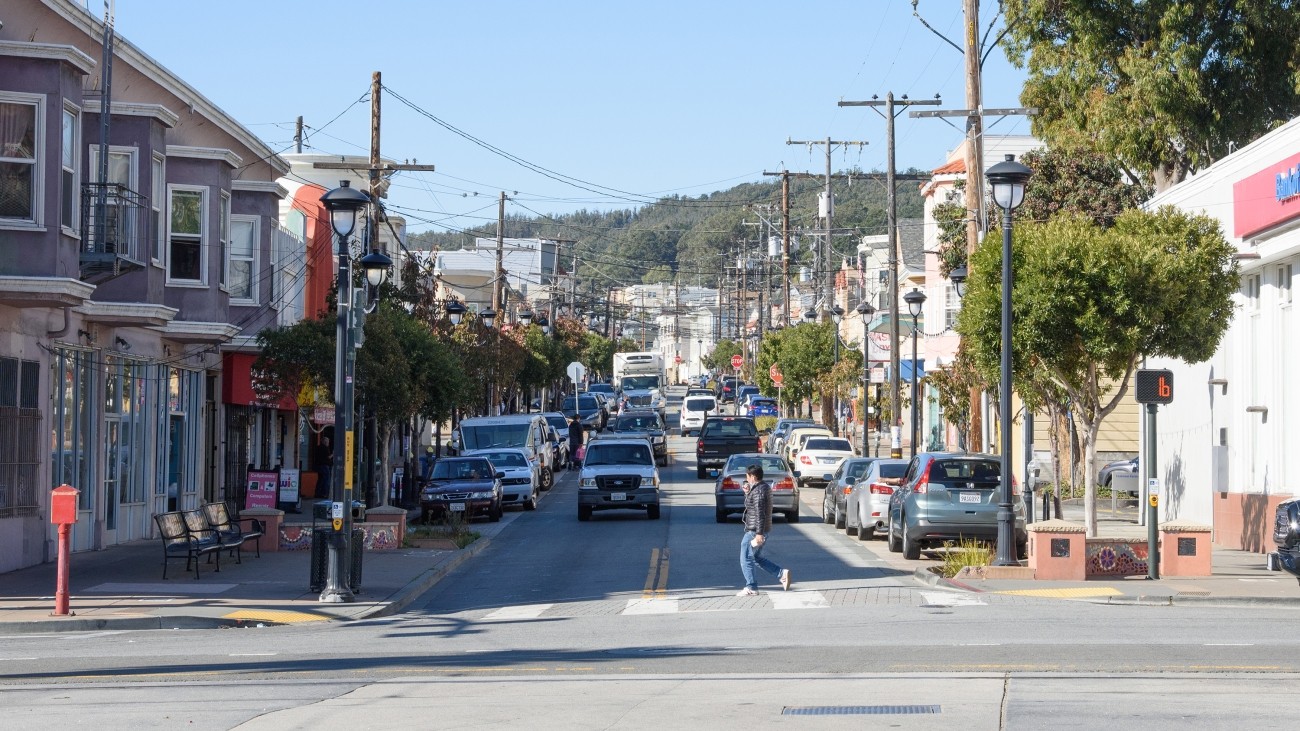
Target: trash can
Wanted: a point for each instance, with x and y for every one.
(320, 558)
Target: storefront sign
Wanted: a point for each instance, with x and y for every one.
(262, 489)
(1267, 198)
(289, 484)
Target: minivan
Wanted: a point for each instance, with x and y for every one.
(694, 409)
(528, 432)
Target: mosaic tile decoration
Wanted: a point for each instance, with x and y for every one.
(379, 536)
(1116, 558)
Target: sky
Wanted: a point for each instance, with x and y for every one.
(601, 105)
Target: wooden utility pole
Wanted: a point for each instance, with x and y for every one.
(891, 213)
(499, 276)
(785, 247)
(827, 213)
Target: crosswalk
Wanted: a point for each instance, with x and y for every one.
(712, 601)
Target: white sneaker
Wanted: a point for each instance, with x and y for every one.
(747, 592)
(785, 579)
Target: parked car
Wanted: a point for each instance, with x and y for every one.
(605, 388)
(618, 474)
(835, 497)
(801, 433)
(694, 410)
(560, 424)
(1286, 536)
(700, 391)
(950, 496)
(819, 458)
(742, 397)
(521, 478)
(721, 437)
(729, 493)
(781, 431)
(587, 408)
(528, 432)
(761, 406)
(867, 504)
(727, 389)
(1123, 467)
(647, 425)
(467, 486)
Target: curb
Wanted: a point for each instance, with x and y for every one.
(929, 578)
(407, 595)
(97, 624)
(1203, 601)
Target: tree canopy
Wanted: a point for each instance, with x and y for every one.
(1163, 86)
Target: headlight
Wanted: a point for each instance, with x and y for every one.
(588, 482)
(655, 480)
(481, 495)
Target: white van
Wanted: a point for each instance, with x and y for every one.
(528, 432)
(694, 409)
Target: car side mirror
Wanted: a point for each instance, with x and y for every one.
(827, 477)
(501, 475)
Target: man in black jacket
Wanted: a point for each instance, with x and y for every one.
(576, 434)
(758, 523)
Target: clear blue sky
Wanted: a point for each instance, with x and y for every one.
(659, 98)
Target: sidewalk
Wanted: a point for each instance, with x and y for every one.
(122, 588)
(1237, 577)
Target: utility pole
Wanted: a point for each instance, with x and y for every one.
(297, 136)
(499, 275)
(891, 213)
(339, 580)
(826, 211)
(785, 246)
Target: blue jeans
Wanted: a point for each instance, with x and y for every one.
(749, 556)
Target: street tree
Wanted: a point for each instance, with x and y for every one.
(1165, 87)
(805, 355)
(1089, 302)
(720, 359)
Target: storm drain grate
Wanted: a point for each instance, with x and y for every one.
(858, 710)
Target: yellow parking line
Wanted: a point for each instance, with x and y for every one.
(1072, 593)
(275, 615)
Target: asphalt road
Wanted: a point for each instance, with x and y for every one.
(624, 622)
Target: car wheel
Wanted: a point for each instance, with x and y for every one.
(548, 478)
(865, 533)
(720, 515)
(827, 517)
(584, 513)
(894, 545)
(701, 473)
(531, 503)
(911, 547)
(840, 518)
(792, 516)
(494, 515)
(652, 512)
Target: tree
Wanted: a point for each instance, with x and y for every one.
(1163, 86)
(804, 354)
(1089, 302)
(720, 359)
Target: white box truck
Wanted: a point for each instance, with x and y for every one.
(640, 379)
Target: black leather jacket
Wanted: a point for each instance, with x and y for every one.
(758, 508)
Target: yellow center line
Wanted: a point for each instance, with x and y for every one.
(650, 577)
(663, 572)
(656, 580)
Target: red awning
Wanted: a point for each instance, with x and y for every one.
(237, 383)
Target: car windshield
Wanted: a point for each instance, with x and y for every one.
(770, 464)
(491, 436)
(892, 470)
(462, 469)
(636, 423)
(506, 459)
(832, 445)
(611, 454)
(729, 428)
(585, 403)
(944, 470)
(600, 387)
(701, 404)
(559, 422)
(640, 383)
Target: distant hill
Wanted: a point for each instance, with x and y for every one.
(693, 237)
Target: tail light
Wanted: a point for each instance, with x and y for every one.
(880, 489)
(699, 446)
(805, 459)
(730, 483)
(923, 484)
(785, 483)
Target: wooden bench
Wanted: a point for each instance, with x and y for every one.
(233, 532)
(181, 541)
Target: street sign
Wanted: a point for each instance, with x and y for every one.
(678, 359)
(576, 371)
(737, 361)
(774, 373)
(1154, 386)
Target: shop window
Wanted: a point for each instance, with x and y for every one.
(20, 421)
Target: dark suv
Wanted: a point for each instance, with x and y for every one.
(727, 389)
(948, 496)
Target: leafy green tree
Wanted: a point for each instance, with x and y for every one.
(1089, 302)
(804, 353)
(1163, 86)
(720, 359)
(1076, 182)
(659, 274)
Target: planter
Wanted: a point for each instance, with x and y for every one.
(439, 544)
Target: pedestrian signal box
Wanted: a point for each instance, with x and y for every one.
(1154, 386)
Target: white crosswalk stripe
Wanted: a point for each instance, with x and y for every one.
(651, 606)
(798, 600)
(523, 611)
(951, 599)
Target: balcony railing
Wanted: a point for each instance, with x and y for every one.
(122, 234)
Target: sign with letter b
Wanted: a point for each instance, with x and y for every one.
(1154, 386)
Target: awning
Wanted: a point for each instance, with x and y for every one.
(237, 383)
(905, 370)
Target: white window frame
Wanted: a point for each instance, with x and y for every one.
(1285, 274)
(1251, 289)
(37, 221)
(132, 181)
(158, 207)
(223, 240)
(253, 277)
(73, 173)
(202, 190)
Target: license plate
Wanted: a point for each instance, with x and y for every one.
(457, 507)
(618, 496)
(971, 497)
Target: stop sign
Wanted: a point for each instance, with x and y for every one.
(775, 374)
(737, 361)
(679, 359)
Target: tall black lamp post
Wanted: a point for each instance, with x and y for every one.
(915, 303)
(958, 278)
(343, 203)
(866, 312)
(1007, 181)
(837, 316)
(487, 317)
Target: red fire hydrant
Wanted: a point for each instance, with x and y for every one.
(63, 513)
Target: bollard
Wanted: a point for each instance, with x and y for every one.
(63, 513)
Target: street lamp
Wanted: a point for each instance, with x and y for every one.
(958, 277)
(544, 324)
(526, 318)
(915, 302)
(1007, 180)
(487, 317)
(810, 316)
(866, 312)
(455, 312)
(837, 314)
(342, 203)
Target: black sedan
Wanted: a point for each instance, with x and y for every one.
(464, 486)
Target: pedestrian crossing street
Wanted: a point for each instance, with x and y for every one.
(653, 603)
